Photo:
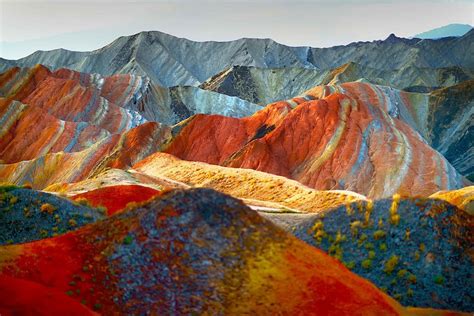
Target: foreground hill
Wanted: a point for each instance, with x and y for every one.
(418, 250)
(27, 215)
(171, 61)
(191, 252)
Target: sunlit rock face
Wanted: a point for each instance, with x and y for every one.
(357, 137)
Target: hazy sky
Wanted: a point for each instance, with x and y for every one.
(26, 26)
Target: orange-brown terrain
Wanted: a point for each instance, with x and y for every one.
(348, 198)
(337, 142)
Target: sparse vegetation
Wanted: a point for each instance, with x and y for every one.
(439, 279)
(379, 234)
(366, 264)
(390, 264)
(47, 208)
(394, 216)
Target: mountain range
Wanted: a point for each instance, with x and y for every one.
(167, 175)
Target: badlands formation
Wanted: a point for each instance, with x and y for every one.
(158, 175)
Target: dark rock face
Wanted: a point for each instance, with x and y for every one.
(417, 250)
(450, 123)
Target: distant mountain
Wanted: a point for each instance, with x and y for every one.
(263, 86)
(449, 30)
(170, 61)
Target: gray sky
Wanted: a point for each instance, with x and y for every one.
(26, 26)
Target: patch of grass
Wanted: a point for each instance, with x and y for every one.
(349, 265)
(412, 278)
(402, 273)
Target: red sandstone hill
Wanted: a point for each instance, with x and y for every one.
(66, 98)
(334, 142)
(190, 251)
(114, 151)
(116, 198)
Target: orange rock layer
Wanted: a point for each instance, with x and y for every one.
(337, 142)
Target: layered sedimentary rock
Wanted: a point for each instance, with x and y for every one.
(450, 125)
(360, 143)
(261, 190)
(418, 250)
(444, 117)
(462, 198)
(28, 132)
(30, 298)
(66, 99)
(264, 86)
(115, 103)
(116, 198)
(192, 251)
(171, 61)
(115, 151)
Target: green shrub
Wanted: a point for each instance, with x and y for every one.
(47, 208)
(349, 265)
(13, 200)
(366, 264)
(439, 279)
(371, 254)
(127, 240)
(390, 264)
(379, 234)
(402, 273)
(412, 278)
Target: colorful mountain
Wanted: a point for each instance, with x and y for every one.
(191, 251)
(356, 137)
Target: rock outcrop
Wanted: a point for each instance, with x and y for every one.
(362, 142)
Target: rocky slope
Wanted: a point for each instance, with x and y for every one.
(171, 61)
(358, 142)
(417, 250)
(444, 117)
(116, 151)
(27, 215)
(115, 103)
(192, 251)
(264, 85)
